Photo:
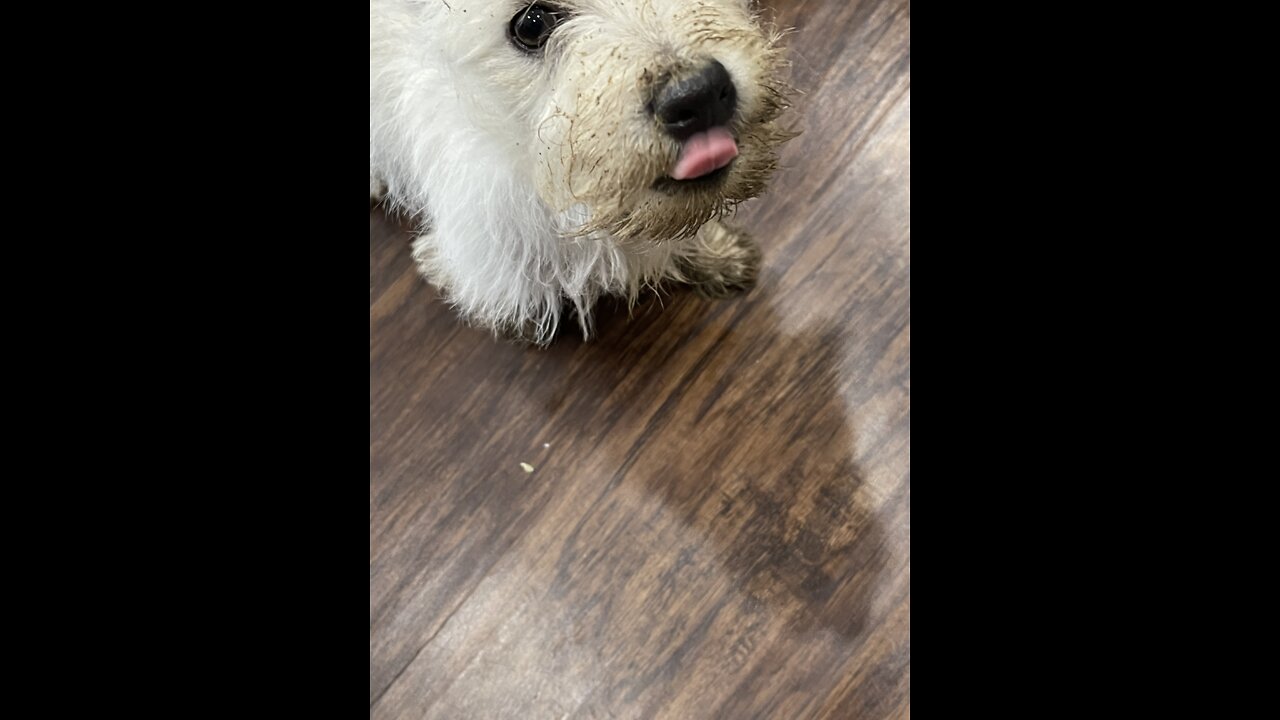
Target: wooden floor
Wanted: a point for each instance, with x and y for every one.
(718, 520)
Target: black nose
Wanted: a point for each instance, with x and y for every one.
(695, 103)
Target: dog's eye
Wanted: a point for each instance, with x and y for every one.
(531, 27)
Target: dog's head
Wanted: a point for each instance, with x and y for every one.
(643, 118)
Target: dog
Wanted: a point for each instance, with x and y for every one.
(553, 152)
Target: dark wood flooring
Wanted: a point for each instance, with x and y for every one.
(718, 520)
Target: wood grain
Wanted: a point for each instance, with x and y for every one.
(718, 520)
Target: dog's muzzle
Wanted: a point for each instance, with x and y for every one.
(696, 110)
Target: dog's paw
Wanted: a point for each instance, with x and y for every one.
(722, 261)
(424, 255)
(525, 334)
(377, 190)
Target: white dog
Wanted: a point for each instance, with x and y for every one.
(558, 150)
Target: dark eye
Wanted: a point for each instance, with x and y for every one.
(531, 27)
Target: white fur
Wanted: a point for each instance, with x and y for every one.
(485, 145)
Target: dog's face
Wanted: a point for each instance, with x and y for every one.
(643, 118)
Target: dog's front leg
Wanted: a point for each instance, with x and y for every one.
(483, 297)
(719, 261)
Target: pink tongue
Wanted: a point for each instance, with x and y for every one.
(705, 152)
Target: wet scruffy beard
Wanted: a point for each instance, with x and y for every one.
(668, 209)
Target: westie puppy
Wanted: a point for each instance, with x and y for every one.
(556, 151)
